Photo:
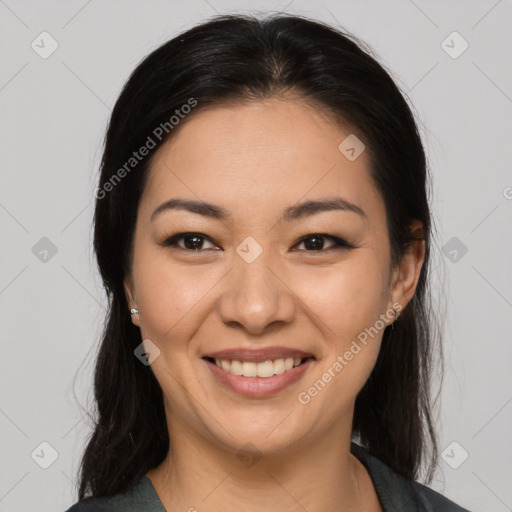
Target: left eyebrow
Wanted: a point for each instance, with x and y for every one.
(312, 207)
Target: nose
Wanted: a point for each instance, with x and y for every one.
(256, 297)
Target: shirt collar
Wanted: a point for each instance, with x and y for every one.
(395, 492)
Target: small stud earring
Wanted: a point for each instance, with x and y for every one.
(134, 311)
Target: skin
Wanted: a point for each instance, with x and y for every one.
(255, 160)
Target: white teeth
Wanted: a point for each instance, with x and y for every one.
(236, 368)
(250, 369)
(278, 366)
(264, 369)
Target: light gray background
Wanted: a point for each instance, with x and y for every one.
(54, 112)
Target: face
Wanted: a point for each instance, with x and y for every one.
(252, 273)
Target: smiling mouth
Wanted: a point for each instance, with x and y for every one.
(264, 369)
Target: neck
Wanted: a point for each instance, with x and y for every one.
(198, 474)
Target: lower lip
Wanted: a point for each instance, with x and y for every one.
(258, 387)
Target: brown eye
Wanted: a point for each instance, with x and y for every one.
(191, 241)
(315, 243)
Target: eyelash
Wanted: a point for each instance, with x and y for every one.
(339, 242)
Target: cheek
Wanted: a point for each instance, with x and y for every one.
(347, 299)
(168, 295)
(345, 305)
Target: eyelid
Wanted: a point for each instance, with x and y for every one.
(171, 241)
(339, 243)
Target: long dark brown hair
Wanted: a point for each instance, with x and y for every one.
(236, 58)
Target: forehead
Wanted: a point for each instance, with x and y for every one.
(258, 157)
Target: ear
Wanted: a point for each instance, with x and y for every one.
(406, 274)
(131, 299)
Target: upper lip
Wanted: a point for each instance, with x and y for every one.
(258, 355)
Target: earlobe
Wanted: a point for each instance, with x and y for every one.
(134, 312)
(395, 307)
(131, 301)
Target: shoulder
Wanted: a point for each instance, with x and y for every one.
(433, 501)
(399, 493)
(139, 497)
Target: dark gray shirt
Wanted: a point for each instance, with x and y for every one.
(396, 493)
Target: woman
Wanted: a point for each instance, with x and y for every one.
(263, 232)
